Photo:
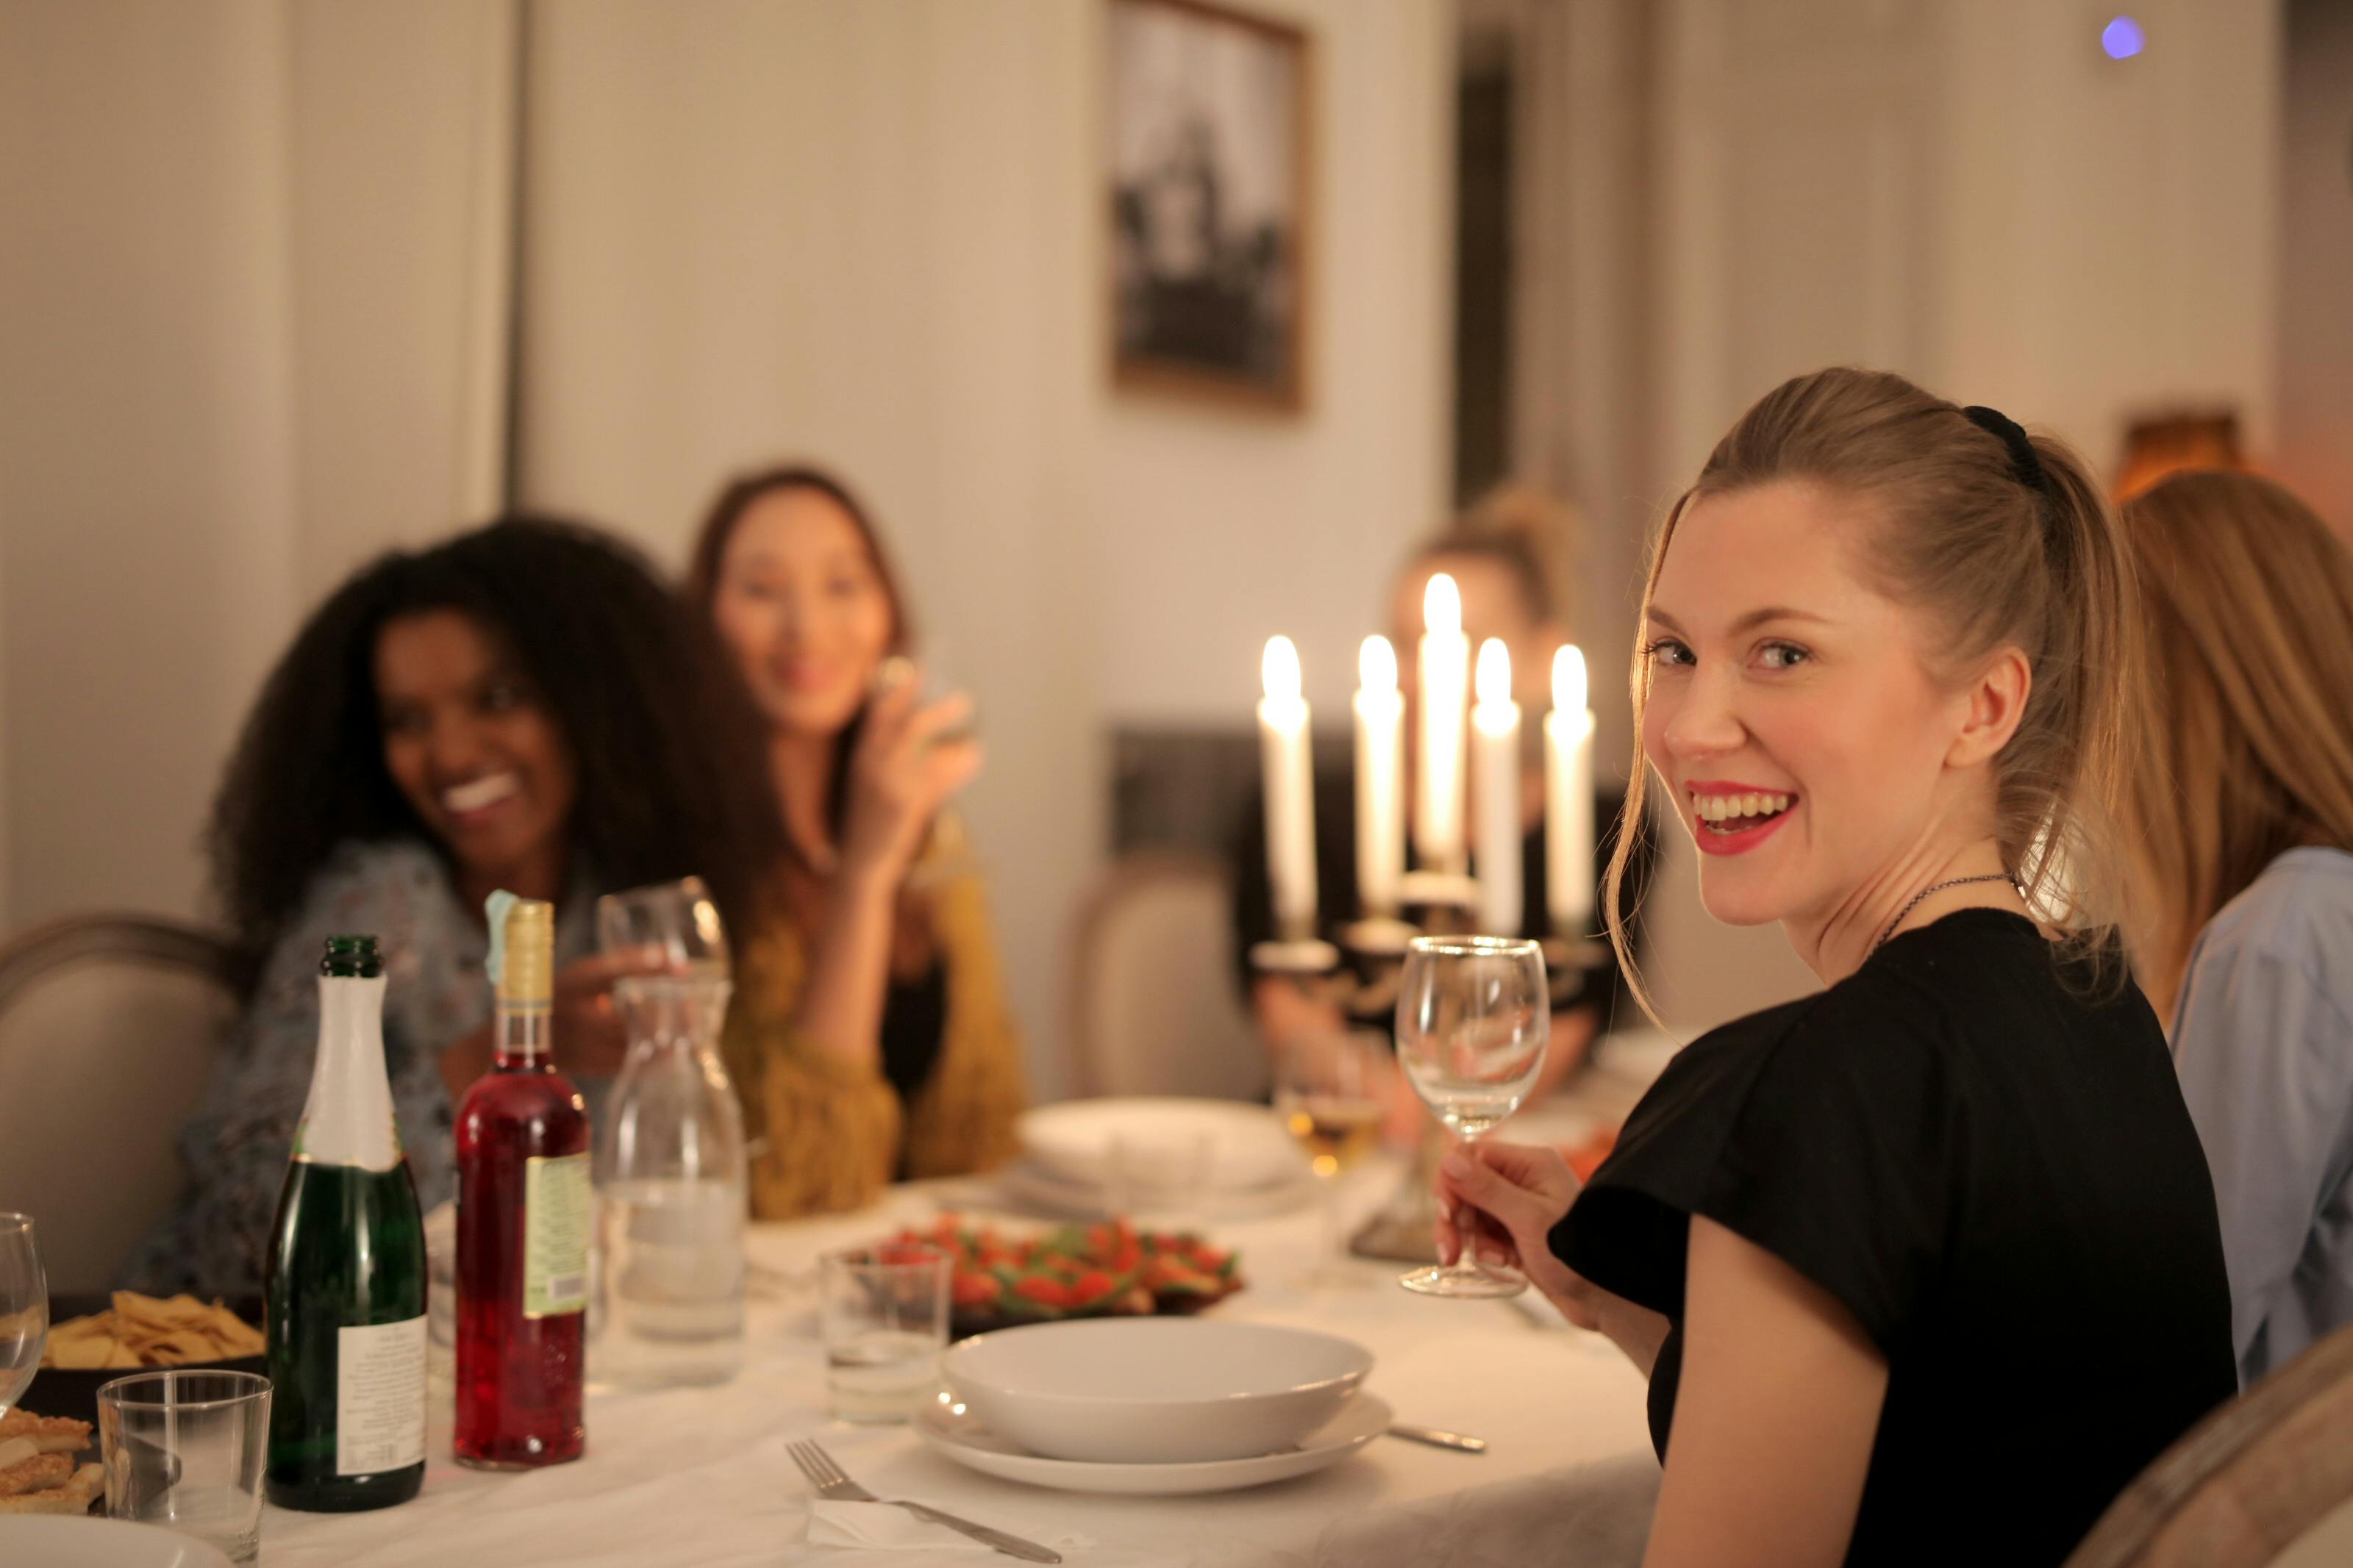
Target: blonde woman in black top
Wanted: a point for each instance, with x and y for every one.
(1925, 1267)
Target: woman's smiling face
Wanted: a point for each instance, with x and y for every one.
(1792, 714)
(472, 743)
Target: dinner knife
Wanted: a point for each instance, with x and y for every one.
(1437, 1439)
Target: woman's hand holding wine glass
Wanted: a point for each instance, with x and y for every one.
(1498, 1203)
(1473, 1017)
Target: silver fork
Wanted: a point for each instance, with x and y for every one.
(833, 1482)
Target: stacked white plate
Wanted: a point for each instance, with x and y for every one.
(1220, 1159)
(1158, 1405)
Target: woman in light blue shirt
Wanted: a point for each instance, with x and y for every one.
(2241, 821)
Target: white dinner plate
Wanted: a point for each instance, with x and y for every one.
(952, 1430)
(1048, 1192)
(59, 1541)
(1247, 1145)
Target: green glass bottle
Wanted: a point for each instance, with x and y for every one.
(346, 1277)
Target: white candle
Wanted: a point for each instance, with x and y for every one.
(1380, 777)
(1495, 763)
(1290, 792)
(1437, 778)
(1568, 798)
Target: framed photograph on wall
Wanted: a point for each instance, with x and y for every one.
(1210, 202)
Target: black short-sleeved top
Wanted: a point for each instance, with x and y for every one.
(1998, 1177)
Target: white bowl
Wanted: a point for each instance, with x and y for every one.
(1145, 1391)
(1162, 1142)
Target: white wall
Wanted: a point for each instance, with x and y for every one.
(143, 432)
(2314, 451)
(1967, 192)
(872, 235)
(239, 356)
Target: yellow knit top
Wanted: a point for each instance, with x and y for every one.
(835, 1130)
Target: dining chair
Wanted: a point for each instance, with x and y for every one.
(1152, 1007)
(2265, 1481)
(110, 1024)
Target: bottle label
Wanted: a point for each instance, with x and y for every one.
(348, 1118)
(379, 1397)
(558, 1211)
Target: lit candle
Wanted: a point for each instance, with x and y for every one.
(1290, 792)
(1495, 763)
(1568, 798)
(1445, 675)
(1380, 777)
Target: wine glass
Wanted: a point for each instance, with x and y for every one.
(1327, 1091)
(1473, 1013)
(678, 918)
(23, 1308)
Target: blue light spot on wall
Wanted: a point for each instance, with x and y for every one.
(2122, 38)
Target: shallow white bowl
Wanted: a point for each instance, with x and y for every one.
(1139, 1391)
(1167, 1142)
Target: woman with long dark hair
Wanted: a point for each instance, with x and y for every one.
(869, 1039)
(524, 707)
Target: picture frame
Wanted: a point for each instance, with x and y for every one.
(1211, 202)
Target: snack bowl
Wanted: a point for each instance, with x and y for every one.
(1154, 1390)
(73, 1391)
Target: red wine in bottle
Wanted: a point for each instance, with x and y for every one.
(524, 1217)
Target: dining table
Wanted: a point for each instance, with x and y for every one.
(702, 1476)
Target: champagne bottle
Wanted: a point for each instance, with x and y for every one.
(345, 1276)
(525, 1211)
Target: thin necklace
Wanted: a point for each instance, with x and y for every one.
(1955, 882)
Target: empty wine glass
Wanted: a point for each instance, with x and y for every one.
(1473, 1015)
(23, 1308)
(678, 918)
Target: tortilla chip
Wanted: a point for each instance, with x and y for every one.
(75, 1496)
(36, 1474)
(147, 1330)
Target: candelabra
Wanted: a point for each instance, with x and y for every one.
(1361, 975)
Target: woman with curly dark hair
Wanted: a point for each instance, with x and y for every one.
(522, 706)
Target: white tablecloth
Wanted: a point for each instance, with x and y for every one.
(699, 1477)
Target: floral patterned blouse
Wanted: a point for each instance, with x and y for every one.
(235, 1147)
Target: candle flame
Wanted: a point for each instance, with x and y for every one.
(1494, 681)
(1568, 679)
(1279, 670)
(1376, 666)
(1442, 606)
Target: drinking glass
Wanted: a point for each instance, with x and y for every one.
(1473, 1012)
(183, 1449)
(884, 1315)
(1327, 1091)
(678, 918)
(23, 1308)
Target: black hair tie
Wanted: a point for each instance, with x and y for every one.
(2025, 463)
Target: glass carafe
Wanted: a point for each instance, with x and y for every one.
(670, 1191)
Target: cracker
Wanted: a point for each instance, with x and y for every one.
(49, 1434)
(74, 1496)
(40, 1471)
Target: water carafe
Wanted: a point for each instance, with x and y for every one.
(670, 1191)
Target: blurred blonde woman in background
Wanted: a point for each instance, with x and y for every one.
(871, 1039)
(2241, 810)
